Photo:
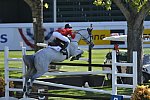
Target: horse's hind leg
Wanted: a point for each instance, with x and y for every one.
(25, 85)
(41, 68)
(32, 73)
(29, 62)
(28, 76)
(28, 81)
(38, 74)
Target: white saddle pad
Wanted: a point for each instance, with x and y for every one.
(57, 48)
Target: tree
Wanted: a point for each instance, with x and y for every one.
(37, 15)
(135, 12)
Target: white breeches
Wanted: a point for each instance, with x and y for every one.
(61, 37)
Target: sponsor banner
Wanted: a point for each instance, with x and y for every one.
(10, 37)
(98, 36)
(146, 36)
(27, 35)
(14, 35)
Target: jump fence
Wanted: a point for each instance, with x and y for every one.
(113, 72)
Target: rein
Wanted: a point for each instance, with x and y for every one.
(86, 39)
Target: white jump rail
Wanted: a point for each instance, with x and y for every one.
(114, 75)
(77, 73)
(7, 69)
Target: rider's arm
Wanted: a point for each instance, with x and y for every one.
(71, 33)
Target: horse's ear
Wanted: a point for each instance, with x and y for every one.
(89, 29)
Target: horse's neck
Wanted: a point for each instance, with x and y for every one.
(77, 38)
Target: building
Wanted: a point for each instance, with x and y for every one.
(17, 11)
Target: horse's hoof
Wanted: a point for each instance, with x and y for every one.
(73, 58)
(29, 89)
(26, 94)
(24, 89)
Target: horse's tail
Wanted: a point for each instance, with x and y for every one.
(29, 62)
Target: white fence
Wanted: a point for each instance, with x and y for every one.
(8, 69)
(113, 72)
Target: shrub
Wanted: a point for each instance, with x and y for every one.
(141, 93)
(2, 86)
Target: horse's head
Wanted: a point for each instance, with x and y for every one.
(84, 35)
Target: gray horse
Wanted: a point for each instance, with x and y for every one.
(37, 64)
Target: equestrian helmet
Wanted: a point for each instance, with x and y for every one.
(68, 26)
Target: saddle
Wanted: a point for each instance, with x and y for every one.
(60, 43)
(55, 42)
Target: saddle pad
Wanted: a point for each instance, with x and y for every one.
(57, 48)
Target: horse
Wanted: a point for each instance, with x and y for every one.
(37, 64)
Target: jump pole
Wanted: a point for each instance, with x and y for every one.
(114, 78)
(71, 87)
(90, 49)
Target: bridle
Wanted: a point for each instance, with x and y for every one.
(83, 37)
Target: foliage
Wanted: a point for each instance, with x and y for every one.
(122, 56)
(135, 12)
(106, 3)
(2, 86)
(136, 4)
(141, 93)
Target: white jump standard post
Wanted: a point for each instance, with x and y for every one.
(7, 69)
(115, 74)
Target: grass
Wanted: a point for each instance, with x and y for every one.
(84, 93)
(98, 57)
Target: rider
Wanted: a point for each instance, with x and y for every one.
(61, 35)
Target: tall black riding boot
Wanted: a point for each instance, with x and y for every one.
(64, 50)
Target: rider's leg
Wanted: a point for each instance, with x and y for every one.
(63, 46)
(61, 37)
(64, 41)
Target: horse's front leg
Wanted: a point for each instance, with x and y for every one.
(77, 55)
(25, 86)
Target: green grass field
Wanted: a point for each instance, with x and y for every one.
(98, 57)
